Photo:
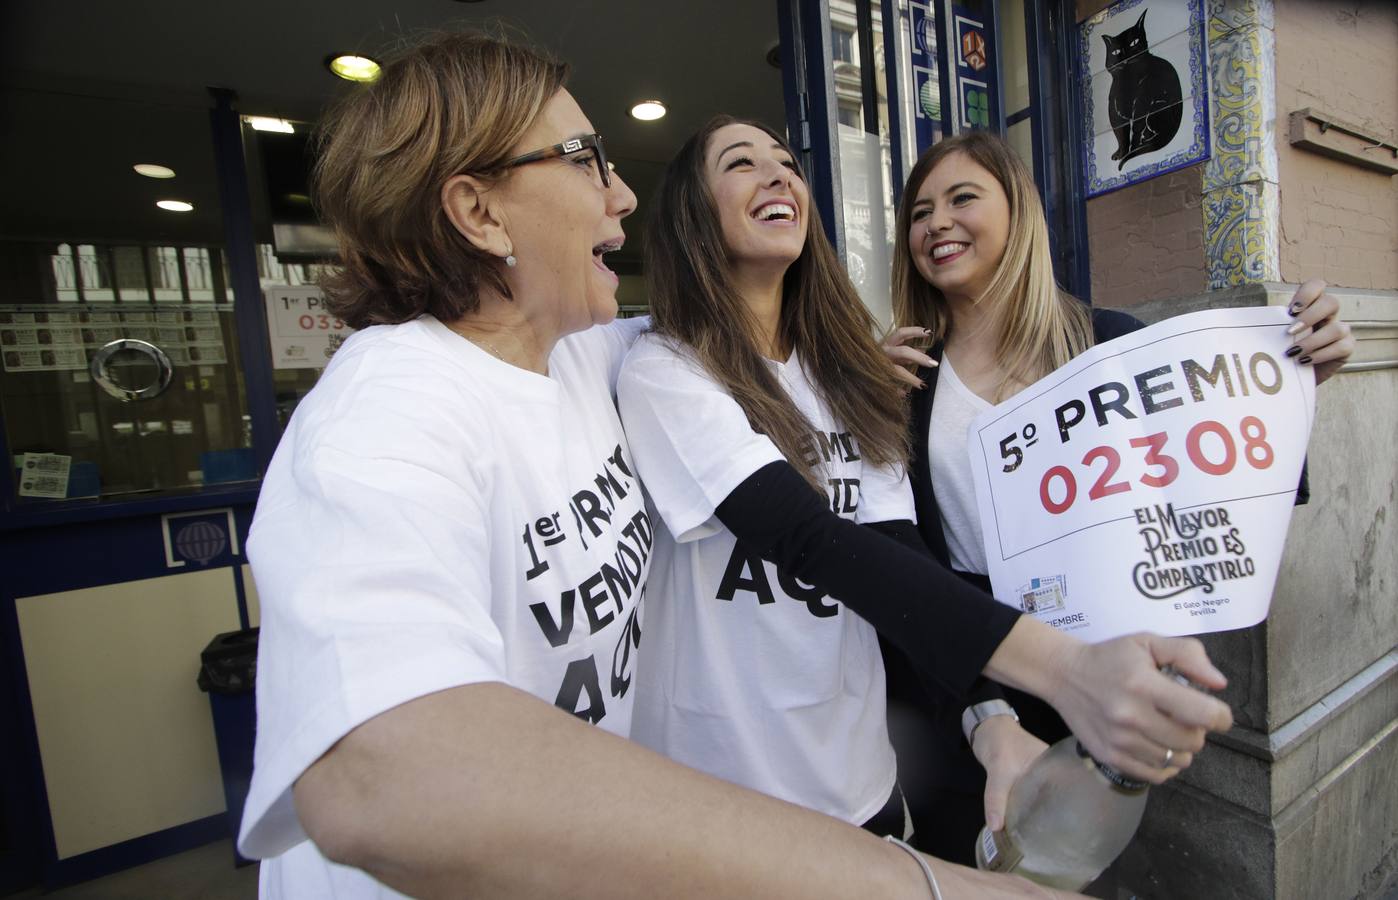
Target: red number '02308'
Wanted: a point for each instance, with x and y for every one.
(1210, 446)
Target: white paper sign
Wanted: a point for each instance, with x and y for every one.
(44, 475)
(1147, 485)
(304, 334)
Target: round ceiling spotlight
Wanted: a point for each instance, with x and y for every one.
(151, 170)
(352, 67)
(175, 205)
(648, 110)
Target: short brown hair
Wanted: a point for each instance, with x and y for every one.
(450, 103)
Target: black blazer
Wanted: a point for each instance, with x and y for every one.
(942, 750)
(1106, 324)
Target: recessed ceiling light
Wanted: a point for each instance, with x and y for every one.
(151, 170)
(353, 68)
(174, 205)
(267, 123)
(648, 110)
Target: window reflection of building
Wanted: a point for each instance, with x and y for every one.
(865, 152)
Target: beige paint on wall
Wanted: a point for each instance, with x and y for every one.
(1338, 221)
(125, 735)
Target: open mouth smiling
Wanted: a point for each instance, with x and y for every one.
(946, 251)
(775, 211)
(604, 248)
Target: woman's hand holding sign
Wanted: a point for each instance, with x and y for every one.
(1322, 338)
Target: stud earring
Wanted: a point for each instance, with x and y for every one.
(511, 261)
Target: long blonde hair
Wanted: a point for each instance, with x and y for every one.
(1040, 326)
(694, 301)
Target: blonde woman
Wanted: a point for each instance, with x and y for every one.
(973, 278)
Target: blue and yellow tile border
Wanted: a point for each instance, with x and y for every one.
(1240, 199)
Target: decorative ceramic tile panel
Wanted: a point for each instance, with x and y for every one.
(1240, 234)
(1144, 91)
(1241, 216)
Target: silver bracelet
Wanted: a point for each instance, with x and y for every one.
(977, 713)
(922, 863)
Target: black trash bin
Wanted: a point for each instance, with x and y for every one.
(227, 673)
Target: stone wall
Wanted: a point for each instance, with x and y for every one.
(1297, 802)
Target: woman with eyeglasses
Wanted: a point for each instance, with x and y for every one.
(769, 430)
(451, 543)
(972, 276)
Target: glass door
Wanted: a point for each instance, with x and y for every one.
(870, 84)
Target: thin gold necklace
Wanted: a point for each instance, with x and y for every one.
(479, 342)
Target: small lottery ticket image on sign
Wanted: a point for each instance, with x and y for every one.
(1043, 594)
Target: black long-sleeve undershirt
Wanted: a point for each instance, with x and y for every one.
(946, 627)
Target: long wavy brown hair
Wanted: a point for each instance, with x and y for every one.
(1040, 325)
(693, 300)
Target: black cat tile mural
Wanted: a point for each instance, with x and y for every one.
(1145, 93)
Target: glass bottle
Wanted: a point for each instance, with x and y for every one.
(1067, 819)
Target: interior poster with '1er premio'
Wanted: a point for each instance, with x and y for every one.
(1147, 485)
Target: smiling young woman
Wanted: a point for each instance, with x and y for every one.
(973, 277)
(770, 435)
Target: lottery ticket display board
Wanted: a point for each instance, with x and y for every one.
(42, 338)
(1147, 485)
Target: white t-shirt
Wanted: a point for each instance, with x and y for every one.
(749, 675)
(954, 408)
(434, 517)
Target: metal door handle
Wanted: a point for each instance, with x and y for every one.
(98, 368)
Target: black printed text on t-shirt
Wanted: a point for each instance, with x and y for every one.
(603, 593)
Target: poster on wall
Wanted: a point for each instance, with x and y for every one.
(304, 334)
(1147, 485)
(1144, 92)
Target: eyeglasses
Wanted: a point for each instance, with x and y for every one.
(591, 142)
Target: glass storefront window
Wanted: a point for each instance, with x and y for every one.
(91, 270)
(866, 164)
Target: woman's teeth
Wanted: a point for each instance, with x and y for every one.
(776, 211)
(944, 250)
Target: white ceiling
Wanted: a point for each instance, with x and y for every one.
(92, 87)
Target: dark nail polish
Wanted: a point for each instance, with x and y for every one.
(1294, 309)
(1293, 350)
(922, 385)
(1305, 360)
